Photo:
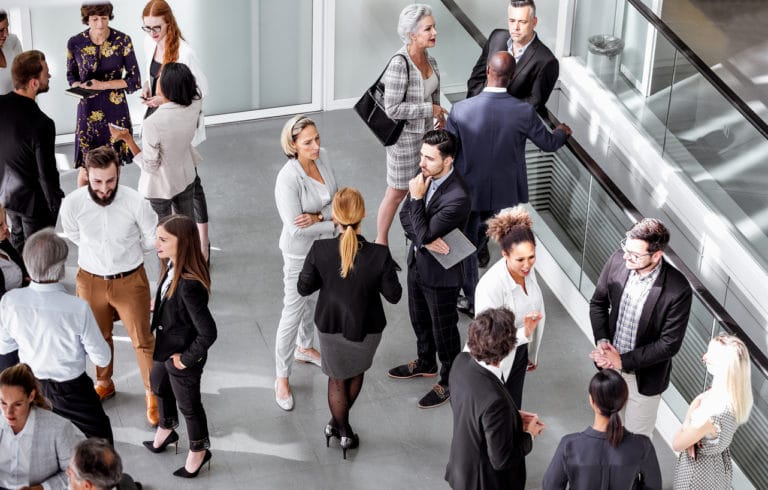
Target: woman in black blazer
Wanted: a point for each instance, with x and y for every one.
(605, 456)
(184, 330)
(351, 274)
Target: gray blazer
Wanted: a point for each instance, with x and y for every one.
(294, 195)
(53, 442)
(416, 112)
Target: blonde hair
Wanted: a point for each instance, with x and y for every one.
(510, 227)
(348, 211)
(737, 372)
(291, 130)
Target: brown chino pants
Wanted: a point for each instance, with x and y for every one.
(129, 297)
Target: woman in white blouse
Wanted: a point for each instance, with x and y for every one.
(511, 282)
(167, 160)
(9, 48)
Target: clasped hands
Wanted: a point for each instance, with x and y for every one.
(606, 356)
(532, 423)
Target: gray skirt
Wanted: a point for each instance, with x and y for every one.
(403, 160)
(344, 359)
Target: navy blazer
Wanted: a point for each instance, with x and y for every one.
(352, 305)
(489, 445)
(535, 74)
(29, 179)
(662, 325)
(183, 323)
(492, 129)
(448, 209)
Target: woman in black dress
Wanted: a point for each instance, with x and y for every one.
(184, 330)
(351, 274)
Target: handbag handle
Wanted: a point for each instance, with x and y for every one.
(407, 73)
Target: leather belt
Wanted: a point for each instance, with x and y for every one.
(119, 275)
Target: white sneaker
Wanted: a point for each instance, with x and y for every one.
(306, 358)
(284, 403)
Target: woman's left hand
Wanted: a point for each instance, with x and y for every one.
(155, 101)
(95, 85)
(306, 219)
(177, 362)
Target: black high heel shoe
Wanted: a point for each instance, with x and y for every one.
(173, 438)
(331, 431)
(182, 472)
(348, 443)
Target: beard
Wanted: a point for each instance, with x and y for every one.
(107, 200)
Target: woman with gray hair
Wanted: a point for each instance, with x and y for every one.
(411, 92)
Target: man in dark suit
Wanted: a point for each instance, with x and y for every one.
(639, 314)
(492, 129)
(490, 435)
(29, 180)
(537, 68)
(438, 203)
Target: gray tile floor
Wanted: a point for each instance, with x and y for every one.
(254, 443)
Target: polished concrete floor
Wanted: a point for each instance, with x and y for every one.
(254, 443)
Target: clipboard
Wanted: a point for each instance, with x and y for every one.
(460, 248)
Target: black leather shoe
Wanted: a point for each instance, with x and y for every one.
(412, 370)
(463, 305)
(439, 395)
(483, 256)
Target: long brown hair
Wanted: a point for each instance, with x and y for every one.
(160, 8)
(22, 377)
(190, 263)
(349, 210)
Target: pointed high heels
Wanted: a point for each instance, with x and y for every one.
(331, 431)
(173, 438)
(182, 472)
(348, 443)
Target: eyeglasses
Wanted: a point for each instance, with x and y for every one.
(153, 29)
(633, 256)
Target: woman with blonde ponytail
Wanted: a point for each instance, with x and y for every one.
(605, 455)
(351, 274)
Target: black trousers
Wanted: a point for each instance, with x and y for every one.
(435, 322)
(516, 377)
(8, 360)
(201, 205)
(77, 401)
(475, 230)
(23, 226)
(181, 203)
(181, 386)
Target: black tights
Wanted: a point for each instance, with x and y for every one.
(342, 394)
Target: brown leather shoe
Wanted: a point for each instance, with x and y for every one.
(153, 416)
(105, 392)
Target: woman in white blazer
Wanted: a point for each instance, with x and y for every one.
(168, 159)
(42, 458)
(164, 44)
(9, 48)
(511, 282)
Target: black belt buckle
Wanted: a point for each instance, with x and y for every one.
(120, 275)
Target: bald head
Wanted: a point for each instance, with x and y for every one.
(501, 66)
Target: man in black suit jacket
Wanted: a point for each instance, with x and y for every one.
(29, 180)
(639, 314)
(490, 435)
(438, 203)
(492, 129)
(537, 68)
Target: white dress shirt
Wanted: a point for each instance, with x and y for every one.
(520, 52)
(53, 331)
(15, 450)
(113, 238)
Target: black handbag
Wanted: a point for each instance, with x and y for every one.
(370, 108)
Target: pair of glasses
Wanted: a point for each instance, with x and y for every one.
(633, 256)
(153, 29)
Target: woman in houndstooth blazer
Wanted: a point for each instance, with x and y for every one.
(419, 82)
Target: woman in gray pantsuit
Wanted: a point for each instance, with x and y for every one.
(419, 82)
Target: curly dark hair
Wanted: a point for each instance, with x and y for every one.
(492, 335)
(510, 227)
(96, 8)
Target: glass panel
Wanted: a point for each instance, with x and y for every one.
(244, 69)
(688, 372)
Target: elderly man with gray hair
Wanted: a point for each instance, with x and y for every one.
(95, 465)
(53, 332)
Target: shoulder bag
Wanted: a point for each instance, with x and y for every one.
(370, 108)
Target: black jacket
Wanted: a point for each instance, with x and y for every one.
(29, 180)
(6, 246)
(489, 445)
(534, 77)
(448, 209)
(352, 305)
(183, 324)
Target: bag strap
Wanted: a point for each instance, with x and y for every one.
(407, 72)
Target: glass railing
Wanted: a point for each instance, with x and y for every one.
(697, 122)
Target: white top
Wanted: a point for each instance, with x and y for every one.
(496, 289)
(113, 238)
(430, 85)
(168, 159)
(53, 331)
(10, 271)
(11, 48)
(15, 450)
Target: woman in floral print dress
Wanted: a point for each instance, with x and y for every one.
(102, 59)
